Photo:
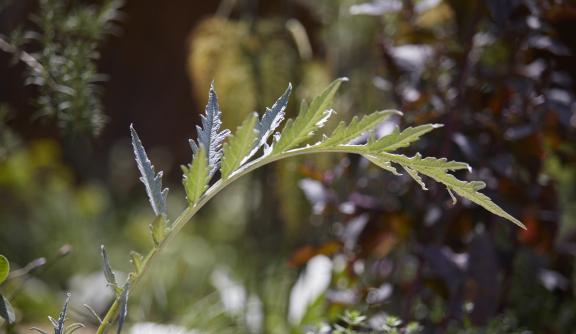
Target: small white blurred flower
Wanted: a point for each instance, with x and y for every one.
(152, 328)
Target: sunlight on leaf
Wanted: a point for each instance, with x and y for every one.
(152, 181)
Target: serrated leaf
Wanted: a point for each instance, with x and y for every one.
(209, 134)
(428, 162)
(196, 176)
(345, 133)
(123, 308)
(158, 230)
(108, 273)
(399, 139)
(6, 310)
(136, 259)
(270, 121)
(4, 268)
(414, 175)
(238, 147)
(152, 181)
(469, 190)
(438, 170)
(454, 200)
(309, 119)
(59, 327)
(384, 164)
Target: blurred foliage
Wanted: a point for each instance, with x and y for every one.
(499, 74)
(62, 61)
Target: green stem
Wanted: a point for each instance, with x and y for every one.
(190, 211)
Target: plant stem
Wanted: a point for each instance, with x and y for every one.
(190, 211)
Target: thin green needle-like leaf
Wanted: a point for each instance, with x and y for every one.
(196, 176)
(152, 181)
(309, 119)
(239, 145)
(345, 133)
(399, 139)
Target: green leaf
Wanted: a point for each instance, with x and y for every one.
(152, 181)
(108, 273)
(309, 119)
(209, 134)
(196, 177)
(344, 134)
(384, 164)
(158, 230)
(6, 310)
(438, 169)
(123, 308)
(239, 145)
(399, 139)
(469, 190)
(414, 175)
(428, 162)
(4, 268)
(136, 259)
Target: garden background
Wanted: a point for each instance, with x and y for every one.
(303, 244)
